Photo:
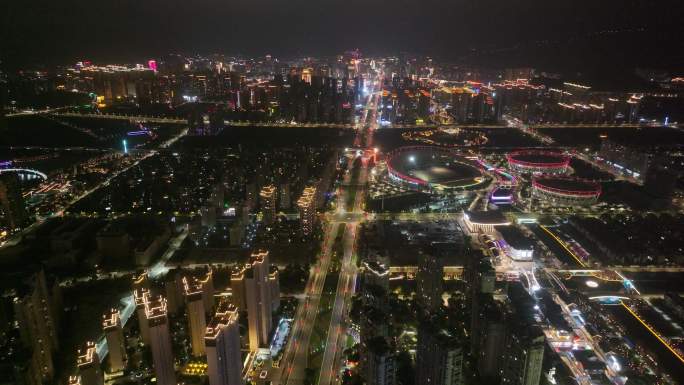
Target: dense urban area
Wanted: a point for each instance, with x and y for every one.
(344, 219)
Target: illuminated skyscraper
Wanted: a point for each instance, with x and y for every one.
(89, 365)
(111, 325)
(237, 286)
(207, 283)
(268, 204)
(197, 323)
(307, 209)
(258, 298)
(12, 207)
(141, 296)
(160, 341)
(222, 339)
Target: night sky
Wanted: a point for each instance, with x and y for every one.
(494, 32)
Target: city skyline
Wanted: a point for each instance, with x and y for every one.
(342, 193)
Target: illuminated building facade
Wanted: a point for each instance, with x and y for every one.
(141, 296)
(258, 298)
(160, 341)
(565, 191)
(111, 325)
(89, 365)
(222, 340)
(237, 287)
(207, 283)
(484, 221)
(307, 209)
(197, 323)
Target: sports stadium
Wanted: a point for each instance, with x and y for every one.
(563, 191)
(538, 162)
(433, 168)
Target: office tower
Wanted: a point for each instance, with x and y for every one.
(380, 365)
(141, 296)
(197, 323)
(111, 325)
(36, 325)
(439, 355)
(429, 281)
(237, 287)
(258, 298)
(268, 204)
(207, 283)
(307, 209)
(173, 287)
(274, 285)
(222, 340)
(160, 341)
(89, 365)
(11, 201)
(285, 201)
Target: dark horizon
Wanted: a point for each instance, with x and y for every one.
(581, 35)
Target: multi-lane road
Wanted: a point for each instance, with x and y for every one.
(294, 362)
(346, 285)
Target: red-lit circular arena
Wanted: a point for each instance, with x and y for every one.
(433, 168)
(565, 191)
(538, 162)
